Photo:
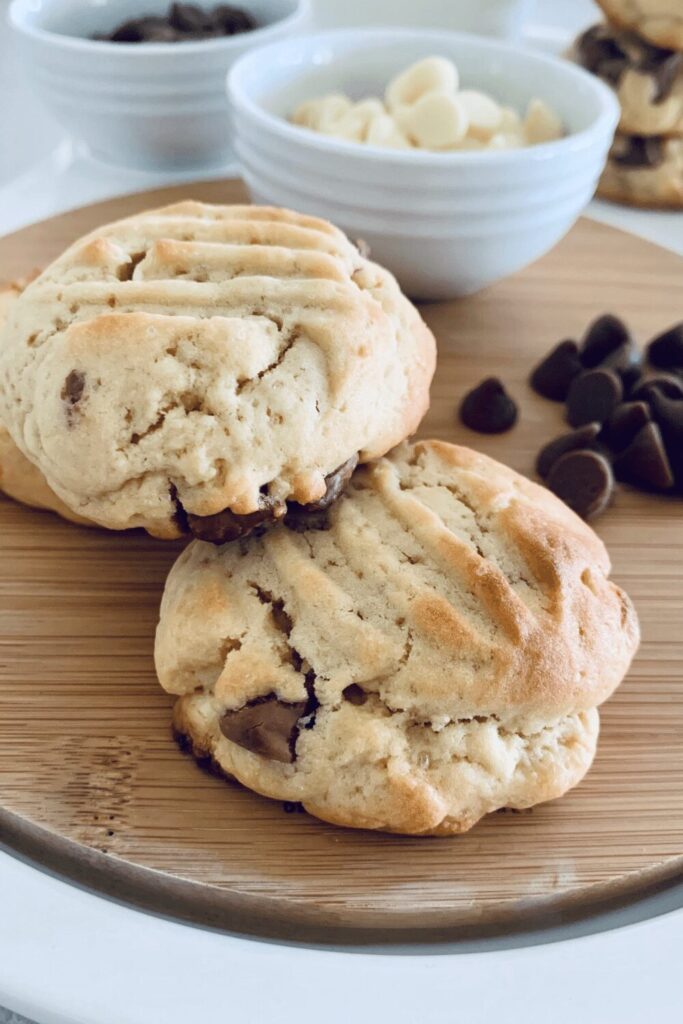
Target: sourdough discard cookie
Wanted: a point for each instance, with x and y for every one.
(658, 21)
(644, 171)
(199, 367)
(18, 477)
(647, 79)
(436, 652)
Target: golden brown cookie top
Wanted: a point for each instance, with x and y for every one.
(446, 585)
(214, 356)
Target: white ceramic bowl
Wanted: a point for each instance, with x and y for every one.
(445, 223)
(147, 105)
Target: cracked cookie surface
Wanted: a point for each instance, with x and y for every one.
(19, 478)
(436, 653)
(209, 358)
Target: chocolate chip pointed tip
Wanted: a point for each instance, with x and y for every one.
(488, 408)
(644, 462)
(666, 350)
(552, 377)
(604, 336)
(624, 423)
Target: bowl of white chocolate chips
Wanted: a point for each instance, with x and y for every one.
(457, 159)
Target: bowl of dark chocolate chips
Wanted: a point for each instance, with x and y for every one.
(142, 82)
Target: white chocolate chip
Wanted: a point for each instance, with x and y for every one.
(320, 112)
(510, 121)
(437, 121)
(506, 140)
(383, 131)
(541, 123)
(433, 74)
(483, 113)
(354, 124)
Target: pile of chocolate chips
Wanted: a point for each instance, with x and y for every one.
(182, 23)
(626, 412)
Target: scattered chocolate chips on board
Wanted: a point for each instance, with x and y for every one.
(182, 23)
(627, 417)
(488, 408)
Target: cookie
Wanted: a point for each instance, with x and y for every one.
(436, 653)
(18, 477)
(201, 361)
(644, 171)
(647, 79)
(658, 21)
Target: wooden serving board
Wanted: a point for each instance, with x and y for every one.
(93, 786)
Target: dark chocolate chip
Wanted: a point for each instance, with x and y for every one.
(624, 423)
(644, 462)
(584, 481)
(226, 526)
(553, 375)
(355, 694)
(667, 384)
(188, 18)
(268, 727)
(668, 414)
(666, 350)
(593, 397)
(602, 339)
(599, 51)
(233, 20)
(665, 75)
(627, 361)
(72, 389)
(488, 408)
(314, 515)
(638, 151)
(584, 437)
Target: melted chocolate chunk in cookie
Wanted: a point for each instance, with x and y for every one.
(267, 726)
(638, 151)
(609, 53)
(226, 526)
(314, 515)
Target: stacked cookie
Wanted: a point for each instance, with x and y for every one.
(399, 636)
(639, 52)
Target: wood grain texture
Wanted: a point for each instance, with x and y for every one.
(92, 784)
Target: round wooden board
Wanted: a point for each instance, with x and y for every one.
(93, 786)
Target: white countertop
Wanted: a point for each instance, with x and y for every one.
(67, 956)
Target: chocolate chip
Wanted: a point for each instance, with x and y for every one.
(553, 375)
(488, 408)
(72, 389)
(355, 694)
(644, 462)
(593, 396)
(182, 22)
(604, 336)
(267, 726)
(226, 526)
(666, 350)
(667, 384)
(314, 515)
(188, 18)
(599, 51)
(624, 423)
(668, 414)
(638, 151)
(665, 75)
(577, 439)
(233, 20)
(584, 481)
